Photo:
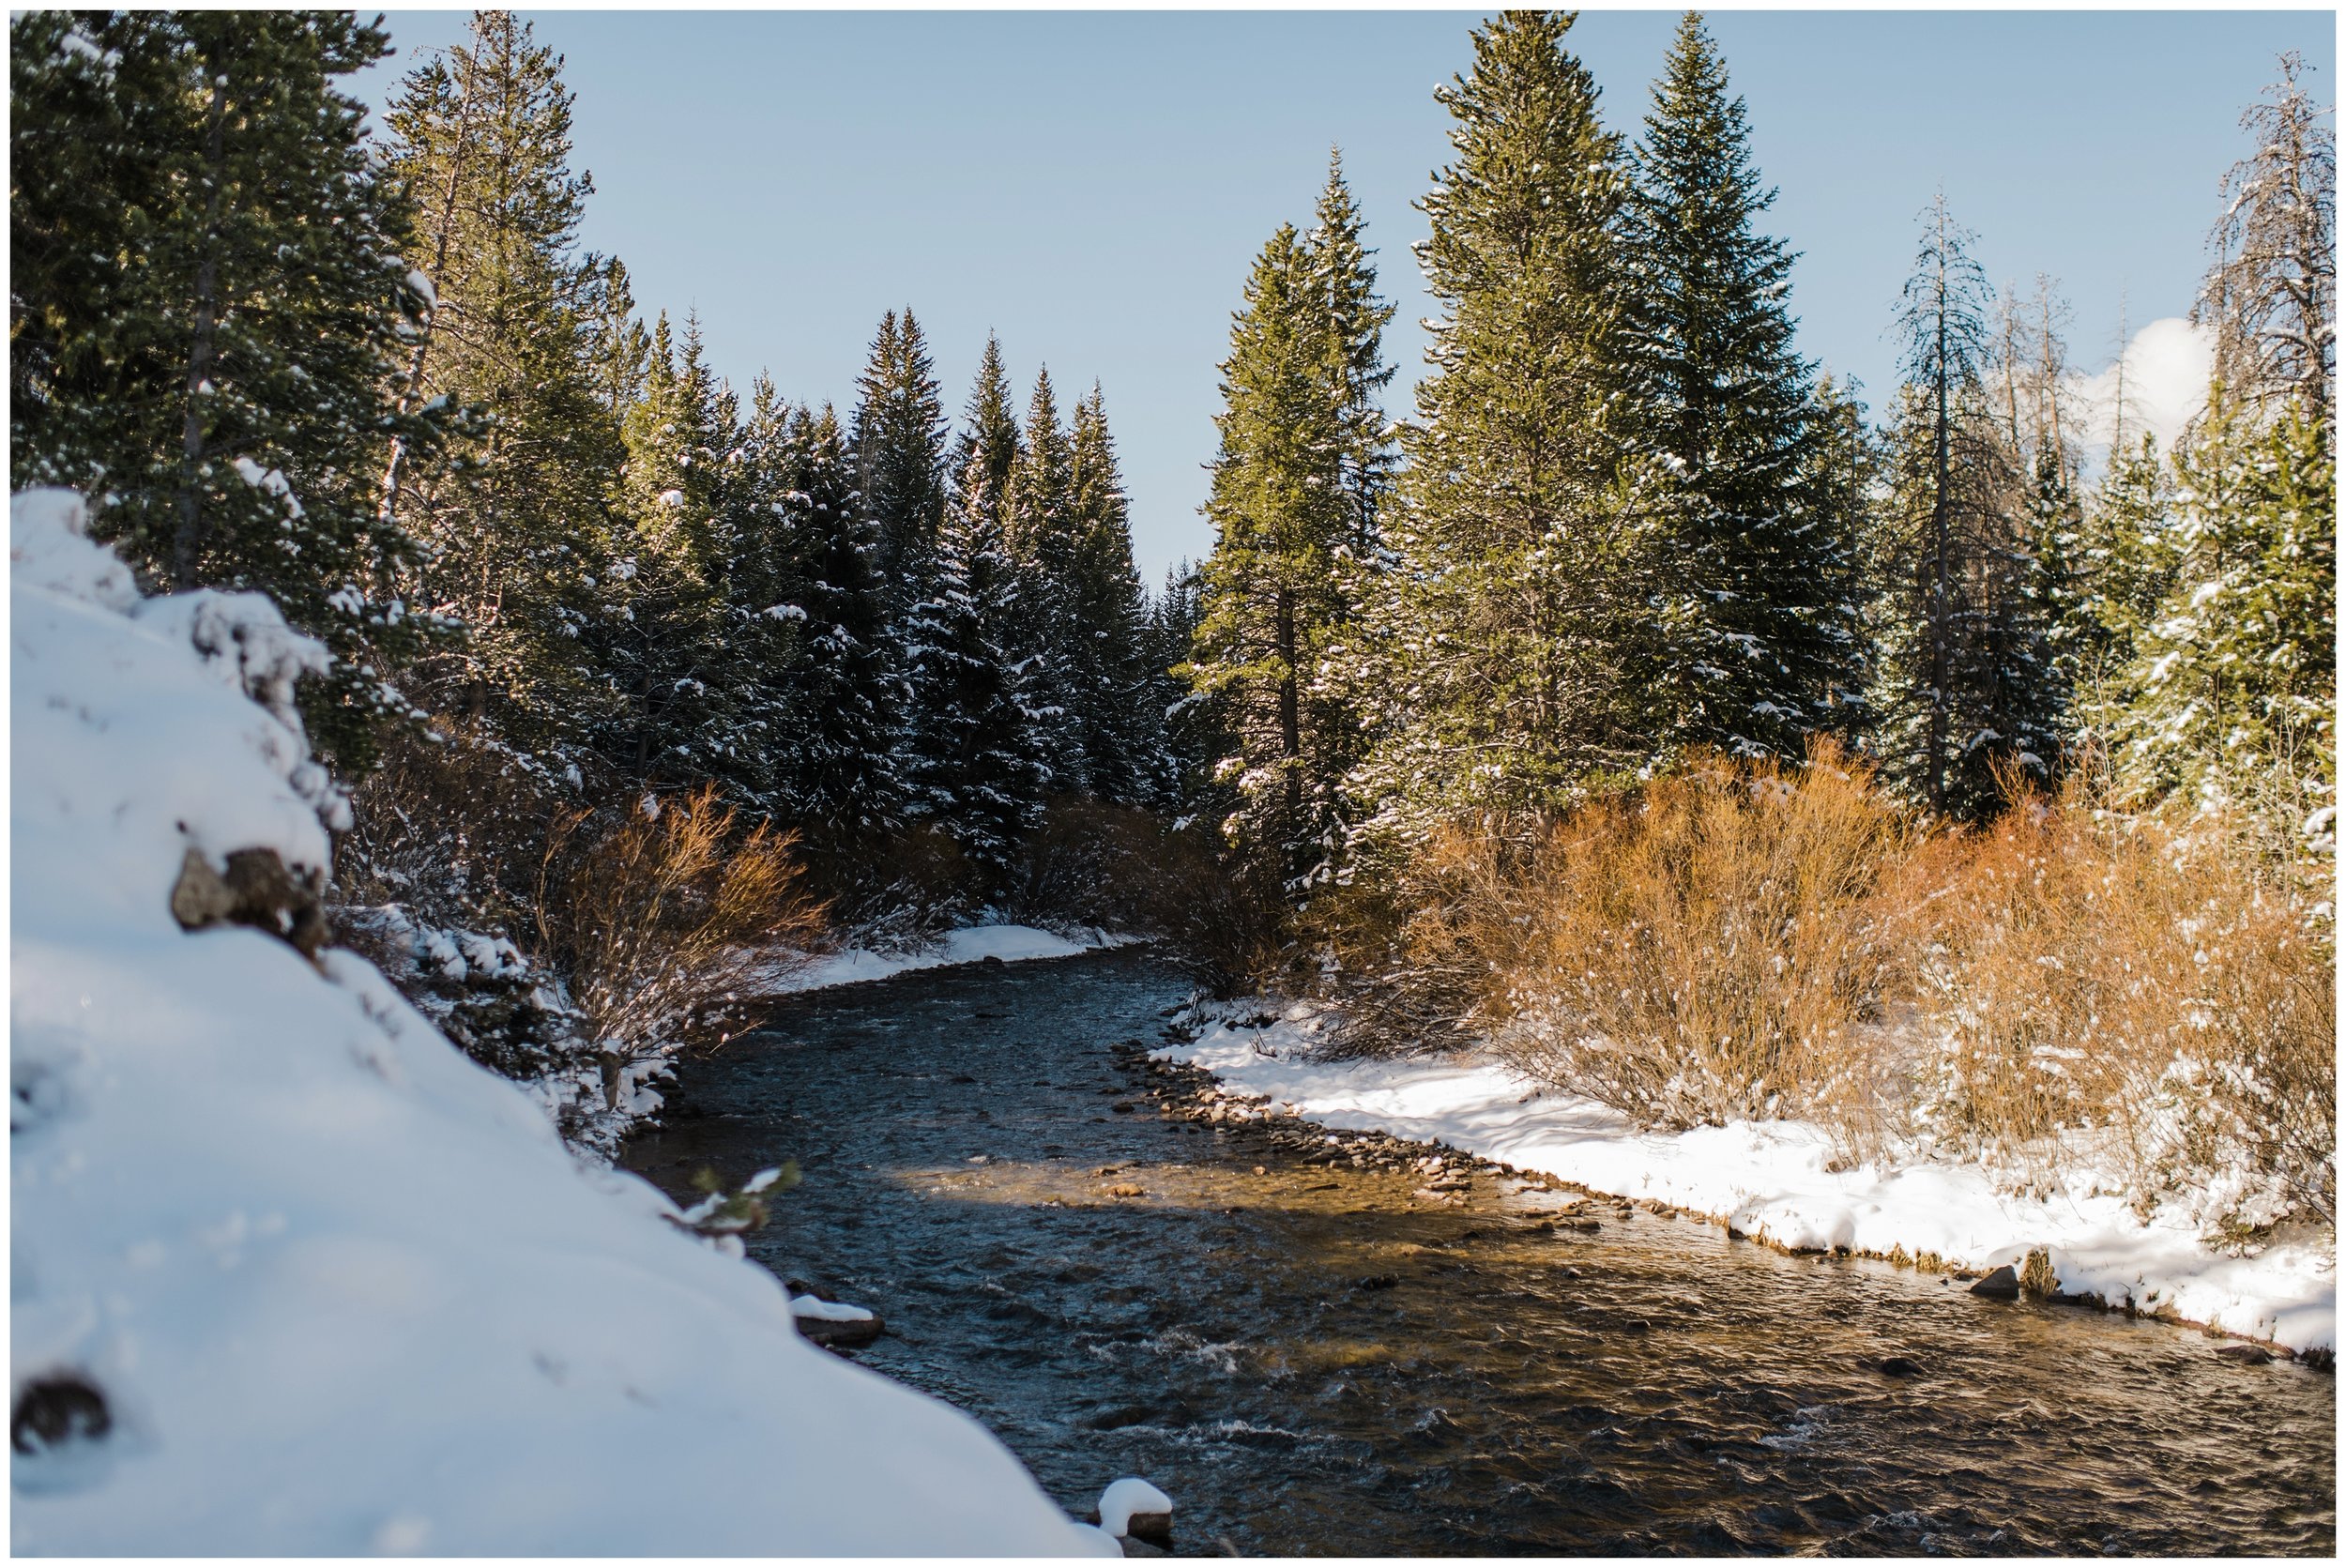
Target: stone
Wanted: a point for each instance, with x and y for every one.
(991, 961)
(2246, 1355)
(1376, 1282)
(1134, 1546)
(1899, 1366)
(2001, 1286)
(56, 1410)
(843, 1336)
(1125, 1189)
(257, 890)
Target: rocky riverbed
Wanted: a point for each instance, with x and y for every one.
(1324, 1343)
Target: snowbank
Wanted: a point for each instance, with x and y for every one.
(974, 944)
(1770, 1181)
(337, 1289)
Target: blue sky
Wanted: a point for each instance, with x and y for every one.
(1093, 186)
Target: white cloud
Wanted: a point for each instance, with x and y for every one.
(2167, 367)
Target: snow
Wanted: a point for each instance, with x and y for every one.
(341, 1289)
(1126, 1496)
(1773, 1180)
(1012, 944)
(827, 1312)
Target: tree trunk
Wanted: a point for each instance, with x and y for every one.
(188, 536)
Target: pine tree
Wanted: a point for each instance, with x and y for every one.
(1274, 587)
(899, 441)
(1504, 652)
(977, 769)
(1123, 739)
(1967, 679)
(841, 772)
(515, 521)
(1040, 534)
(2237, 673)
(1761, 571)
(1345, 281)
(210, 303)
(667, 588)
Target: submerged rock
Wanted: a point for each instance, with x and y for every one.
(2246, 1355)
(1899, 1366)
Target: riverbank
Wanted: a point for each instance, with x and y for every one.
(291, 1276)
(1775, 1182)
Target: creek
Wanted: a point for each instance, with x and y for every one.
(1312, 1361)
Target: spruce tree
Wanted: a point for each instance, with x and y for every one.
(1760, 574)
(211, 302)
(1122, 739)
(1344, 280)
(840, 768)
(1040, 532)
(1967, 682)
(1508, 645)
(515, 519)
(2235, 676)
(899, 441)
(667, 586)
(1274, 587)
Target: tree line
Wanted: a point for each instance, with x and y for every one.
(385, 383)
(1630, 522)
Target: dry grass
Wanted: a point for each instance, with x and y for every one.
(661, 912)
(2066, 990)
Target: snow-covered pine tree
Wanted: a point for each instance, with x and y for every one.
(665, 596)
(1273, 591)
(765, 588)
(840, 767)
(211, 308)
(514, 518)
(1966, 683)
(1040, 532)
(899, 441)
(2235, 676)
(1505, 655)
(976, 766)
(1760, 573)
(1124, 738)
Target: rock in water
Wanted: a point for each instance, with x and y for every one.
(2246, 1355)
(2003, 1285)
(1131, 1506)
(835, 1324)
(1898, 1366)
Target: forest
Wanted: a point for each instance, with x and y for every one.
(1640, 703)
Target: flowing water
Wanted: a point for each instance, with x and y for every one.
(1312, 1363)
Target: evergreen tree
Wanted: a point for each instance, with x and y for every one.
(899, 441)
(1760, 580)
(977, 769)
(515, 521)
(841, 771)
(1967, 679)
(987, 452)
(1123, 739)
(209, 308)
(1345, 281)
(1505, 652)
(1273, 588)
(667, 586)
(1040, 532)
(2236, 674)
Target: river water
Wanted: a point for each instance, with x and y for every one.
(1310, 1363)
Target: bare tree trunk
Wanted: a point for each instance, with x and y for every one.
(188, 536)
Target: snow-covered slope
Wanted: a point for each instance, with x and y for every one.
(339, 1289)
(1777, 1180)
